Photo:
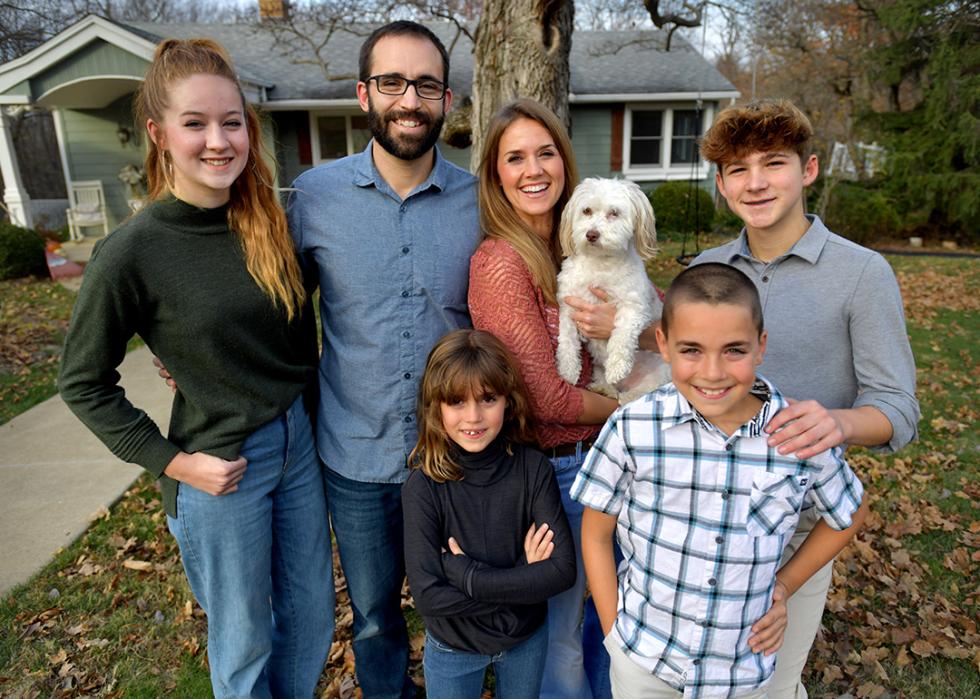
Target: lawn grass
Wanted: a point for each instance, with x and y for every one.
(34, 316)
(901, 619)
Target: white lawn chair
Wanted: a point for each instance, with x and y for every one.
(87, 208)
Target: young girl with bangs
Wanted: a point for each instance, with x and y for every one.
(207, 276)
(486, 539)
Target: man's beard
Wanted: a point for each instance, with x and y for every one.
(404, 147)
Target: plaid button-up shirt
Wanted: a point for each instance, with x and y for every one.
(702, 520)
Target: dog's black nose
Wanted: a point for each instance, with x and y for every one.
(592, 235)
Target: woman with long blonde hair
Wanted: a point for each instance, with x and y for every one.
(207, 276)
(527, 174)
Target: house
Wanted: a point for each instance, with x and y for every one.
(634, 107)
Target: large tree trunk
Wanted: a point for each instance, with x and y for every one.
(522, 49)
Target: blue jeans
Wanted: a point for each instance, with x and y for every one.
(367, 523)
(258, 560)
(569, 673)
(456, 674)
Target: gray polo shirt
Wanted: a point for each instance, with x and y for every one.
(836, 326)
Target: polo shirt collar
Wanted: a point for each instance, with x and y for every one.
(367, 175)
(807, 248)
(677, 411)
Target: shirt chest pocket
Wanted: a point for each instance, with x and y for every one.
(774, 503)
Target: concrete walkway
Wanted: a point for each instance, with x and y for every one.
(54, 473)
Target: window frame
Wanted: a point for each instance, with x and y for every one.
(665, 170)
(316, 156)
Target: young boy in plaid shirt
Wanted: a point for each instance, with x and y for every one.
(702, 507)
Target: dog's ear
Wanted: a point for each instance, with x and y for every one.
(645, 230)
(565, 225)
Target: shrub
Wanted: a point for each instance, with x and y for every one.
(861, 213)
(21, 252)
(681, 207)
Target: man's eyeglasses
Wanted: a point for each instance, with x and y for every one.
(426, 88)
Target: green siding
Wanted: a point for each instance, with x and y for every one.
(94, 152)
(92, 60)
(21, 88)
(457, 156)
(592, 140)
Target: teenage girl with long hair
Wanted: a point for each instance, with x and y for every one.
(486, 539)
(206, 275)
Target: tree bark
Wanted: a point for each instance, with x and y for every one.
(522, 49)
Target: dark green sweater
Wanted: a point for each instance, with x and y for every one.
(175, 275)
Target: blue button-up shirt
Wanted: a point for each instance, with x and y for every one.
(393, 275)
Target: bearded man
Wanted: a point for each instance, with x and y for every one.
(389, 233)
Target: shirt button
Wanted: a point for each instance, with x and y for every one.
(405, 250)
(724, 494)
(407, 375)
(408, 418)
(719, 540)
(697, 661)
(729, 446)
(765, 279)
(404, 294)
(406, 334)
(712, 582)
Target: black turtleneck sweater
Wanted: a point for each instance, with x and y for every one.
(489, 599)
(175, 275)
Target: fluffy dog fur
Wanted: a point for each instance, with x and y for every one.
(607, 231)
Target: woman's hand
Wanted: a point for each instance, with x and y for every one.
(207, 473)
(538, 544)
(595, 321)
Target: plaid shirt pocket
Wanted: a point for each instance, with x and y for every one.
(774, 503)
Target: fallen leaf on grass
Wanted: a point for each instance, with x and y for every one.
(133, 564)
(923, 648)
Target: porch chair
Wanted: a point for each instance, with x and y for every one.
(87, 208)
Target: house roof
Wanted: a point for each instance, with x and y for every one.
(603, 64)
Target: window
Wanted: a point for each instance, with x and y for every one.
(661, 143)
(646, 137)
(683, 145)
(339, 135)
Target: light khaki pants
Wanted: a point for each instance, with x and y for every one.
(630, 681)
(805, 609)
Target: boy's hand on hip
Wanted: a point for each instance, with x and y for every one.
(207, 473)
(805, 429)
(538, 544)
(767, 633)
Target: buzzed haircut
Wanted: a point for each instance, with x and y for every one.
(759, 126)
(400, 28)
(712, 283)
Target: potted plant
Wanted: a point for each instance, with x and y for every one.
(134, 177)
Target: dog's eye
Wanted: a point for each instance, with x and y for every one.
(612, 213)
(587, 211)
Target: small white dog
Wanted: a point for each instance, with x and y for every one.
(607, 230)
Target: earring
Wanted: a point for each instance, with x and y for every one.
(168, 170)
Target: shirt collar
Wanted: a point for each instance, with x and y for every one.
(676, 409)
(367, 175)
(807, 248)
